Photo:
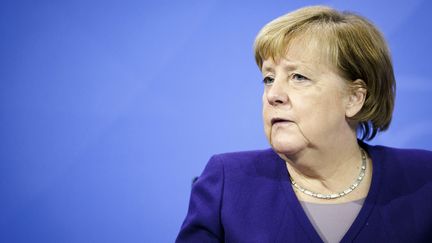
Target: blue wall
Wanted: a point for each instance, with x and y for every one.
(109, 108)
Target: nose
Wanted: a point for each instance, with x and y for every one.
(276, 93)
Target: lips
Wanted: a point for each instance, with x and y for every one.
(278, 120)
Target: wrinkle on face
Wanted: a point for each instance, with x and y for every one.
(316, 106)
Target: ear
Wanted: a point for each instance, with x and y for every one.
(356, 98)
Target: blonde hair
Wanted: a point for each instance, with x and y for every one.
(353, 44)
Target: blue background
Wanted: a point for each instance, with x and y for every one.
(109, 108)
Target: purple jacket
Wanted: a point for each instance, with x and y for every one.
(247, 197)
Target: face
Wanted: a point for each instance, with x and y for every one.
(304, 101)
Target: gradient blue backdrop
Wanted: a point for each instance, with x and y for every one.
(110, 108)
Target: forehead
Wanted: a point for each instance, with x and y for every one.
(304, 51)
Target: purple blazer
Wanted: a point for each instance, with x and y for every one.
(248, 197)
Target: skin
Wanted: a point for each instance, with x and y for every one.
(314, 135)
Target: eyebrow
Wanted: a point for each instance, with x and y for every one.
(288, 66)
(293, 65)
(266, 69)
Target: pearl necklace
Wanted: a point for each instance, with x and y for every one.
(340, 194)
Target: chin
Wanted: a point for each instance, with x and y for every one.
(287, 147)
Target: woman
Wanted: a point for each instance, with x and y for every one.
(328, 79)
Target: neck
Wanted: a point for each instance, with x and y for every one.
(327, 169)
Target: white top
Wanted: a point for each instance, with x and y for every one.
(332, 221)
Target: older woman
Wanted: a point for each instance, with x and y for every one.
(328, 86)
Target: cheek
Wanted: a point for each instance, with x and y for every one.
(266, 118)
(264, 109)
(324, 115)
(264, 98)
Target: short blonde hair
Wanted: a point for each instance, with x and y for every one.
(353, 44)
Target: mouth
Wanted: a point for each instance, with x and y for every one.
(278, 120)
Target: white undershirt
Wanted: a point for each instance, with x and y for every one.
(332, 221)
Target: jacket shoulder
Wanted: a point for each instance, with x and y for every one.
(254, 162)
(245, 156)
(412, 158)
(410, 168)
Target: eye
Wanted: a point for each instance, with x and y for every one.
(298, 77)
(268, 80)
